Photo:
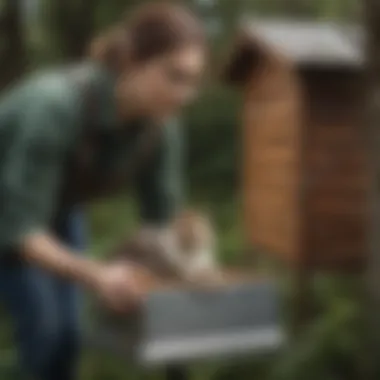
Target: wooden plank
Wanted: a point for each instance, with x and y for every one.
(271, 157)
(337, 184)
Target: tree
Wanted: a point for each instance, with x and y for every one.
(372, 17)
(13, 53)
(71, 24)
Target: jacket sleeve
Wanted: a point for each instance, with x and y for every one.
(33, 169)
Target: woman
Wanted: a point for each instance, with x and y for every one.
(65, 131)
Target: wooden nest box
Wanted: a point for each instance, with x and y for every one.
(305, 166)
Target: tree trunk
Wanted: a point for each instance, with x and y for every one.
(73, 25)
(372, 18)
(13, 53)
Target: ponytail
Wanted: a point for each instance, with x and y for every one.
(153, 29)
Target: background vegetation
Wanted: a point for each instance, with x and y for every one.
(42, 32)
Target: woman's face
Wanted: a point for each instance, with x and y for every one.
(161, 87)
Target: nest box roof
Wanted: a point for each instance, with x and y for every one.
(311, 43)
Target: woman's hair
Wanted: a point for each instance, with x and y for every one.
(152, 30)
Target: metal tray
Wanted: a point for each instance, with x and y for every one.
(179, 325)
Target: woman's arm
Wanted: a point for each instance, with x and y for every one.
(43, 250)
(30, 181)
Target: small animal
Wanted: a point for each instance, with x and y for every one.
(191, 245)
(185, 250)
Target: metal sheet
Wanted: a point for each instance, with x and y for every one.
(307, 42)
(181, 326)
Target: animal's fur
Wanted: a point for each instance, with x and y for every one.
(183, 251)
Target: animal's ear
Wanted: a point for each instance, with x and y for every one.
(244, 57)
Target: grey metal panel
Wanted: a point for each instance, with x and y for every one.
(213, 346)
(184, 325)
(312, 42)
(179, 313)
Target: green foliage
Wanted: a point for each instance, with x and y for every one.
(110, 221)
(214, 120)
(328, 348)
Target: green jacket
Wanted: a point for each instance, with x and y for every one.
(41, 128)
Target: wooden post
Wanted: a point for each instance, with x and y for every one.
(372, 18)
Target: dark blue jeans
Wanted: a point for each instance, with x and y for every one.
(46, 311)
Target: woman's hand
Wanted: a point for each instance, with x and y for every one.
(121, 286)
